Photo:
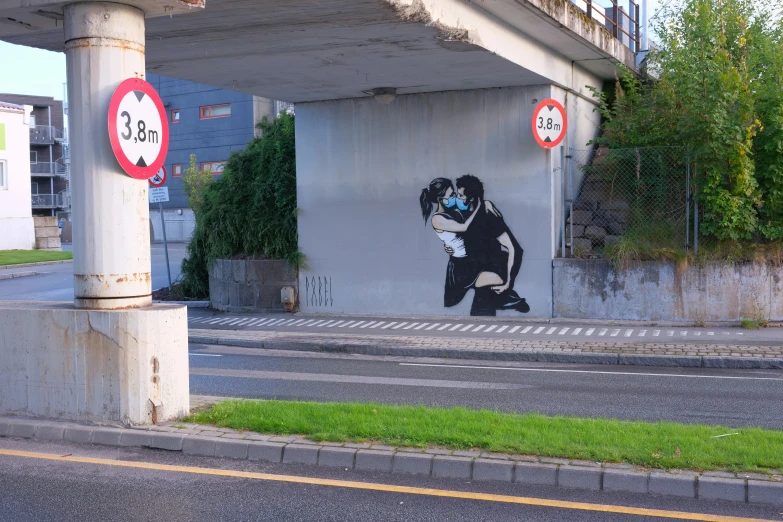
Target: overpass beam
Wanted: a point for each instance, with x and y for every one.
(104, 45)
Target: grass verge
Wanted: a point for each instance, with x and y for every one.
(17, 257)
(655, 445)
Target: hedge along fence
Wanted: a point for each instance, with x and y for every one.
(250, 211)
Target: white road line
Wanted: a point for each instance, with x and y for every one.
(287, 323)
(614, 333)
(259, 322)
(243, 322)
(628, 333)
(501, 329)
(563, 331)
(726, 333)
(455, 327)
(232, 323)
(602, 332)
(347, 323)
(369, 324)
(468, 327)
(671, 333)
(589, 331)
(538, 330)
(204, 354)
(388, 326)
(656, 333)
(357, 324)
(410, 326)
(551, 330)
(379, 325)
(399, 326)
(740, 333)
(253, 322)
(525, 330)
(479, 328)
(545, 370)
(444, 326)
(329, 324)
(642, 333)
(216, 321)
(275, 322)
(421, 326)
(433, 326)
(318, 323)
(576, 331)
(224, 320)
(307, 323)
(710, 333)
(696, 333)
(300, 321)
(684, 332)
(491, 327)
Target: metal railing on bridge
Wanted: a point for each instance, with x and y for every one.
(621, 22)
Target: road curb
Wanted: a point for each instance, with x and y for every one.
(16, 275)
(678, 361)
(493, 467)
(189, 304)
(40, 263)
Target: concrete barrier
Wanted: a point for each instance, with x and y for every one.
(658, 291)
(237, 285)
(59, 362)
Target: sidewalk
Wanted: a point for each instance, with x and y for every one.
(619, 350)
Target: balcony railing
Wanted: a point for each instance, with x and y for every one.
(44, 200)
(47, 135)
(64, 199)
(44, 168)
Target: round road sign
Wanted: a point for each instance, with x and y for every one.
(138, 128)
(549, 123)
(159, 179)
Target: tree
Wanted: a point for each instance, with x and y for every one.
(195, 181)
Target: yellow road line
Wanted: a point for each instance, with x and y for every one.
(388, 488)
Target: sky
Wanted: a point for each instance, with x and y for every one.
(42, 73)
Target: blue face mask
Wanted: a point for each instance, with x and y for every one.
(462, 205)
(449, 202)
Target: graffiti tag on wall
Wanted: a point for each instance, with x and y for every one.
(483, 253)
(318, 291)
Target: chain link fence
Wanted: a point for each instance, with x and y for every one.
(626, 202)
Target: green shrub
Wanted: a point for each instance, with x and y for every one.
(250, 211)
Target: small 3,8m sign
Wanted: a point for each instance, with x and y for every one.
(549, 123)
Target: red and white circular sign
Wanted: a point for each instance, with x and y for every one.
(138, 128)
(549, 123)
(159, 179)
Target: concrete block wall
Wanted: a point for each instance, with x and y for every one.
(248, 284)
(657, 291)
(47, 233)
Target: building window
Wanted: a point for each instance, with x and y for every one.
(33, 156)
(215, 111)
(34, 189)
(215, 166)
(3, 174)
(175, 116)
(32, 120)
(177, 168)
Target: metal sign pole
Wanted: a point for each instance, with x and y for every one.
(165, 242)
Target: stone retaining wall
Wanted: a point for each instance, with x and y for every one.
(245, 284)
(47, 233)
(657, 291)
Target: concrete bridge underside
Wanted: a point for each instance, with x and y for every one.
(308, 50)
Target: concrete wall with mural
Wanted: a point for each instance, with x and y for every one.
(364, 171)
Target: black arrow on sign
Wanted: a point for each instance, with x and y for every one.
(141, 162)
(139, 95)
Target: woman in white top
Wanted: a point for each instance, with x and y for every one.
(463, 271)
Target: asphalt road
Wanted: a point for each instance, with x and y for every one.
(35, 490)
(55, 282)
(691, 395)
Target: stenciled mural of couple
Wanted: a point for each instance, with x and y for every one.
(483, 253)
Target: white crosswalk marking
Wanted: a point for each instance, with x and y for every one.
(740, 333)
(233, 322)
(628, 333)
(479, 328)
(410, 326)
(444, 326)
(455, 327)
(276, 323)
(726, 333)
(602, 332)
(671, 333)
(328, 324)
(492, 327)
(524, 330)
(300, 321)
(370, 324)
(538, 330)
(217, 320)
(576, 331)
(502, 328)
(348, 323)
(710, 333)
(288, 323)
(225, 320)
(563, 331)
(656, 333)
(684, 332)
(433, 326)
(244, 322)
(642, 333)
(551, 330)
(256, 322)
(468, 327)
(696, 333)
(306, 323)
(379, 325)
(338, 323)
(399, 326)
(421, 326)
(357, 324)
(319, 323)
(388, 326)
(590, 331)
(614, 333)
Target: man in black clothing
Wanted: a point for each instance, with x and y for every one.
(495, 249)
